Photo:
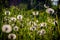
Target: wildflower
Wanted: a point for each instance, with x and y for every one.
(46, 6)
(41, 32)
(55, 23)
(34, 23)
(30, 23)
(16, 28)
(50, 10)
(6, 28)
(5, 19)
(12, 36)
(13, 19)
(35, 13)
(19, 17)
(7, 12)
(32, 28)
(43, 24)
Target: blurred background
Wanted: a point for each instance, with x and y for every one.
(28, 4)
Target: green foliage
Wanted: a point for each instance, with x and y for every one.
(24, 33)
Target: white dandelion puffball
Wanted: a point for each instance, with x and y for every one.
(43, 24)
(12, 36)
(19, 17)
(6, 28)
(46, 6)
(42, 32)
(50, 10)
(13, 19)
(7, 12)
(15, 28)
(35, 13)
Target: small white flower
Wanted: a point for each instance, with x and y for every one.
(32, 28)
(12, 36)
(46, 6)
(19, 17)
(54, 22)
(30, 23)
(6, 28)
(35, 13)
(41, 32)
(15, 28)
(13, 19)
(50, 10)
(5, 19)
(34, 23)
(7, 12)
(43, 24)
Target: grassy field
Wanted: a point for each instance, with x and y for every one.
(30, 26)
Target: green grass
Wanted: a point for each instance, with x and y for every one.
(24, 33)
